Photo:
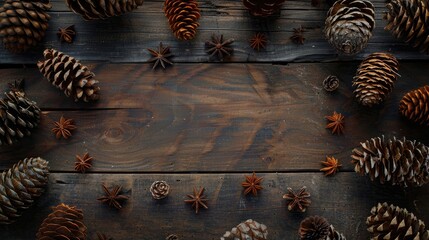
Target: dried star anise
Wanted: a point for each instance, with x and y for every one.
(83, 163)
(298, 35)
(197, 199)
(336, 123)
(102, 236)
(298, 200)
(219, 47)
(160, 57)
(258, 41)
(331, 166)
(63, 128)
(113, 198)
(17, 86)
(252, 184)
(67, 34)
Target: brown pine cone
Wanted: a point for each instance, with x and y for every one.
(349, 25)
(23, 23)
(69, 75)
(415, 105)
(331, 83)
(97, 9)
(65, 222)
(334, 235)
(314, 228)
(399, 162)
(159, 189)
(263, 8)
(392, 222)
(20, 186)
(408, 20)
(248, 230)
(183, 17)
(375, 78)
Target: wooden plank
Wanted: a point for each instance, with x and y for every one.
(124, 39)
(212, 118)
(345, 200)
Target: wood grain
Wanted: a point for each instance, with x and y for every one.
(125, 39)
(345, 200)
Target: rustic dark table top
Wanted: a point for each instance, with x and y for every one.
(207, 124)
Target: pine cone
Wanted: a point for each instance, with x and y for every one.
(65, 222)
(18, 117)
(392, 222)
(159, 189)
(98, 9)
(23, 23)
(183, 17)
(334, 235)
(69, 75)
(349, 25)
(331, 83)
(263, 8)
(415, 105)
(408, 20)
(20, 185)
(399, 162)
(248, 230)
(375, 78)
(314, 228)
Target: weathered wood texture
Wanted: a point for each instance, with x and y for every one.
(212, 117)
(125, 39)
(345, 200)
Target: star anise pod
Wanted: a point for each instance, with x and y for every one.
(102, 236)
(258, 41)
(63, 128)
(113, 198)
(336, 123)
(219, 47)
(252, 184)
(197, 199)
(67, 34)
(160, 57)
(17, 86)
(297, 200)
(298, 35)
(83, 163)
(331, 166)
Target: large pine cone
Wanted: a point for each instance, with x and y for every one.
(375, 78)
(23, 23)
(392, 222)
(100, 9)
(399, 162)
(349, 25)
(248, 230)
(263, 8)
(65, 222)
(20, 185)
(415, 105)
(69, 75)
(183, 17)
(18, 117)
(408, 20)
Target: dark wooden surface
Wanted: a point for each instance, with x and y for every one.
(209, 124)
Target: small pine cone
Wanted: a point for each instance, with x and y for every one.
(349, 25)
(20, 186)
(331, 83)
(408, 20)
(65, 222)
(183, 17)
(159, 189)
(263, 8)
(69, 75)
(399, 162)
(392, 222)
(23, 23)
(314, 228)
(18, 117)
(91, 10)
(415, 105)
(375, 78)
(334, 235)
(248, 230)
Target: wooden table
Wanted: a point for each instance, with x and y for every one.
(208, 124)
